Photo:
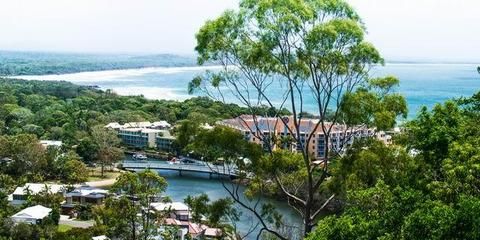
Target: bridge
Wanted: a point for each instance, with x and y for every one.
(200, 167)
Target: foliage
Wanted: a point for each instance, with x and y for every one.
(38, 63)
(430, 193)
(121, 215)
(303, 51)
(219, 213)
(79, 234)
(67, 112)
(108, 143)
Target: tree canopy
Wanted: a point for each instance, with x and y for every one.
(425, 187)
(303, 51)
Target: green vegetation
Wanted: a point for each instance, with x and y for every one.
(37, 63)
(69, 113)
(75, 115)
(64, 228)
(425, 187)
(317, 51)
(121, 217)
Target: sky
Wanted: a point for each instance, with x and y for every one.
(439, 30)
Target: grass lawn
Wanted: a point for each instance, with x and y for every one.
(95, 174)
(63, 228)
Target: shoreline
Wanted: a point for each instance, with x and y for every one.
(171, 70)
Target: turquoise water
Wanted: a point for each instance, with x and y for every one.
(421, 84)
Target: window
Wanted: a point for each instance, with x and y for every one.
(19, 197)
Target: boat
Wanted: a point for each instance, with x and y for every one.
(139, 156)
(172, 161)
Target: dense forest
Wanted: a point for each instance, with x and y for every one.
(36, 63)
(67, 112)
(426, 186)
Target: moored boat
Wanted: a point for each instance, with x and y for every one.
(139, 156)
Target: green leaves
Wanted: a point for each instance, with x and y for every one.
(375, 105)
(432, 194)
(217, 212)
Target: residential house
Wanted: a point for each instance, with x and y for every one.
(84, 195)
(174, 210)
(32, 215)
(139, 137)
(20, 195)
(161, 125)
(101, 237)
(178, 215)
(164, 141)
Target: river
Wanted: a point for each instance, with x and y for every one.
(194, 184)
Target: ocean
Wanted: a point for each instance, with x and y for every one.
(421, 84)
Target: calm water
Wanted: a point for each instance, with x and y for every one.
(195, 184)
(421, 84)
(179, 187)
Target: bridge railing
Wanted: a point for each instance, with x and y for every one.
(206, 168)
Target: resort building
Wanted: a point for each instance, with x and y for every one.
(139, 137)
(262, 130)
(20, 195)
(145, 134)
(33, 215)
(164, 141)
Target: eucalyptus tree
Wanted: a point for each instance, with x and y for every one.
(108, 146)
(302, 55)
(140, 189)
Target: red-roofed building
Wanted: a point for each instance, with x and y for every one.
(257, 129)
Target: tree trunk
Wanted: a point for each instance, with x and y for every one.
(102, 169)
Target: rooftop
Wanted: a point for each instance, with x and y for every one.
(37, 212)
(36, 188)
(251, 123)
(143, 125)
(87, 190)
(175, 206)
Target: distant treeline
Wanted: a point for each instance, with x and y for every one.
(34, 63)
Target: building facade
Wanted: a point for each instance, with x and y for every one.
(145, 134)
(276, 133)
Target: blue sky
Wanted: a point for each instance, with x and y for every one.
(443, 30)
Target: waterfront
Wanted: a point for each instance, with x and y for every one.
(422, 84)
(179, 187)
(194, 184)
